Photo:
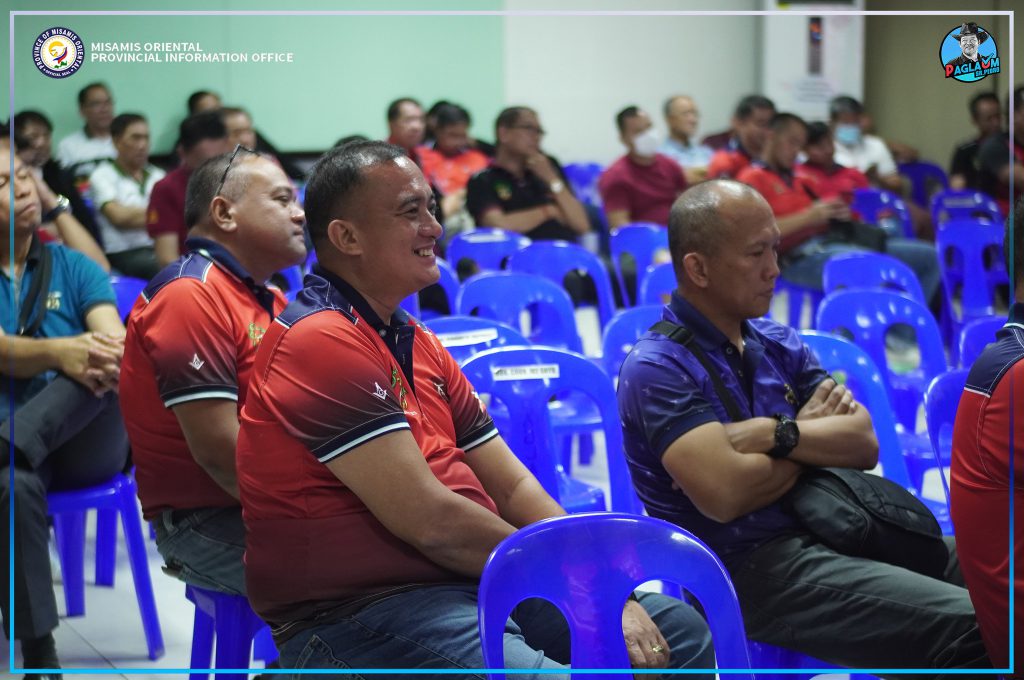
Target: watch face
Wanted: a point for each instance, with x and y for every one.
(786, 433)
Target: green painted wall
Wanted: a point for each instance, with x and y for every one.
(345, 70)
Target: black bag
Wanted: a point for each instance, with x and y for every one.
(858, 234)
(864, 515)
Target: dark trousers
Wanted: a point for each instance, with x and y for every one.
(797, 593)
(65, 438)
(138, 262)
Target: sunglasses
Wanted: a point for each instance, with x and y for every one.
(234, 154)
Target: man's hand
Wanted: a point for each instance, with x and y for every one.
(92, 359)
(541, 166)
(644, 642)
(829, 399)
(47, 199)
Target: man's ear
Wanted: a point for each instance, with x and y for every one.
(222, 214)
(696, 269)
(343, 235)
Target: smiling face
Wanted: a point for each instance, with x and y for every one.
(969, 45)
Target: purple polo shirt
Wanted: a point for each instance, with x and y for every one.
(664, 392)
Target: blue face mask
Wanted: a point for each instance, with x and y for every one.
(848, 135)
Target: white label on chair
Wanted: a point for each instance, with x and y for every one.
(485, 237)
(467, 338)
(528, 372)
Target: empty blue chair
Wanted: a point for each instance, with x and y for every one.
(871, 270)
(976, 335)
(658, 282)
(464, 336)
(505, 296)
(940, 404)
(583, 178)
(126, 290)
(554, 260)
(68, 510)
(587, 565)
(641, 241)
(867, 315)
(884, 209)
(796, 297)
(964, 205)
(526, 380)
(449, 281)
(622, 333)
(486, 247)
(229, 621)
(925, 179)
(968, 284)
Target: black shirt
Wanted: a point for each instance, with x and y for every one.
(496, 187)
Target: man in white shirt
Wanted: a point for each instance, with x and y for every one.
(120, 192)
(82, 150)
(854, 149)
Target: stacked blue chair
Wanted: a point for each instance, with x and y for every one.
(68, 510)
(622, 333)
(884, 209)
(952, 205)
(127, 290)
(464, 336)
(641, 241)
(940, 404)
(968, 281)
(871, 270)
(486, 247)
(583, 178)
(587, 565)
(925, 179)
(797, 297)
(658, 282)
(525, 380)
(231, 622)
(976, 335)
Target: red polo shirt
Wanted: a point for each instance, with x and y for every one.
(728, 162)
(786, 195)
(646, 192)
(166, 212)
(838, 181)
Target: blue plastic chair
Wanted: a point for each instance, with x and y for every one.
(486, 247)
(231, 622)
(583, 177)
(411, 305)
(940, 404)
(962, 246)
(884, 209)
(293, 281)
(127, 290)
(464, 336)
(925, 178)
(68, 510)
(976, 335)
(554, 260)
(867, 315)
(797, 297)
(640, 240)
(658, 282)
(622, 333)
(871, 270)
(587, 565)
(526, 380)
(964, 205)
(504, 296)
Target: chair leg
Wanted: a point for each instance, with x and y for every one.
(106, 546)
(234, 639)
(202, 643)
(263, 646)
(139, 561)
(69, 529)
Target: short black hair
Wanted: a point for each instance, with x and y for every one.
(395, 107)
(817, 131)
(333, 178)
(782, 121)
(450, 114)
(348, 139)
(1018, 97)
(977, 99)
(226, 111)
(508, 117)
(625, 114)
(204, 181)
(84, 92)
(122, 121)
(23, 118)
(752, 102)
(193, 99)
(844, 104)
(201, 126)
(1014, 241)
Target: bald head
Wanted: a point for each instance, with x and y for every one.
(682, 116)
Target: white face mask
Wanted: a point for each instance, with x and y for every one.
(646, 143)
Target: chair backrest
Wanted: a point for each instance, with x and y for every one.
(587, 565)
(411, 305)
(525, 380)
(962, 247)
(925, 179)
(852, 366)
(641, 240)
(487, 247)
(504, 296)
(659, 280)
(964, 205)
(583, 177)
(464, 336)
(556, 259)
(976, 335)
(871, 270)
(127, 290)
(621, 334)
(292, 280)
(449, 282)
(940, 404)
(884, 209)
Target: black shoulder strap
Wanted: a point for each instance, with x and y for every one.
(34, 306)
(684, 336)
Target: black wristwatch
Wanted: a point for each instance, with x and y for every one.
(63, 206)
(787, 436)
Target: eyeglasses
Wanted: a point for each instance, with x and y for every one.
(535, 129)
(234, 154)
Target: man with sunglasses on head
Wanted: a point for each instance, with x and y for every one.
(192, 337)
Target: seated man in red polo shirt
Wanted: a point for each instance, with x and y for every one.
(803, 214)
(192, 337)
(830, 180)
(642, 185)
(750, 123)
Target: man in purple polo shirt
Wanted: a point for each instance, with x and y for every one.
(722, 477)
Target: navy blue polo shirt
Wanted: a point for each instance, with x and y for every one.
(77, 284)
(664, 392)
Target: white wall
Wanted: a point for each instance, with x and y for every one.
(579, 71)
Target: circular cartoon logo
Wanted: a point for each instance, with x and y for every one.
(968, 53)
(58, 52)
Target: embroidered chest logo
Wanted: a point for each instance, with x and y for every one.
(790, 395)
(196, 362)
(256, 333)
(399, 388)
(503, 190)
(53, 300)
(441, 388)
(379, 391)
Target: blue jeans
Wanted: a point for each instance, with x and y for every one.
(436, 627)
(204, 546)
